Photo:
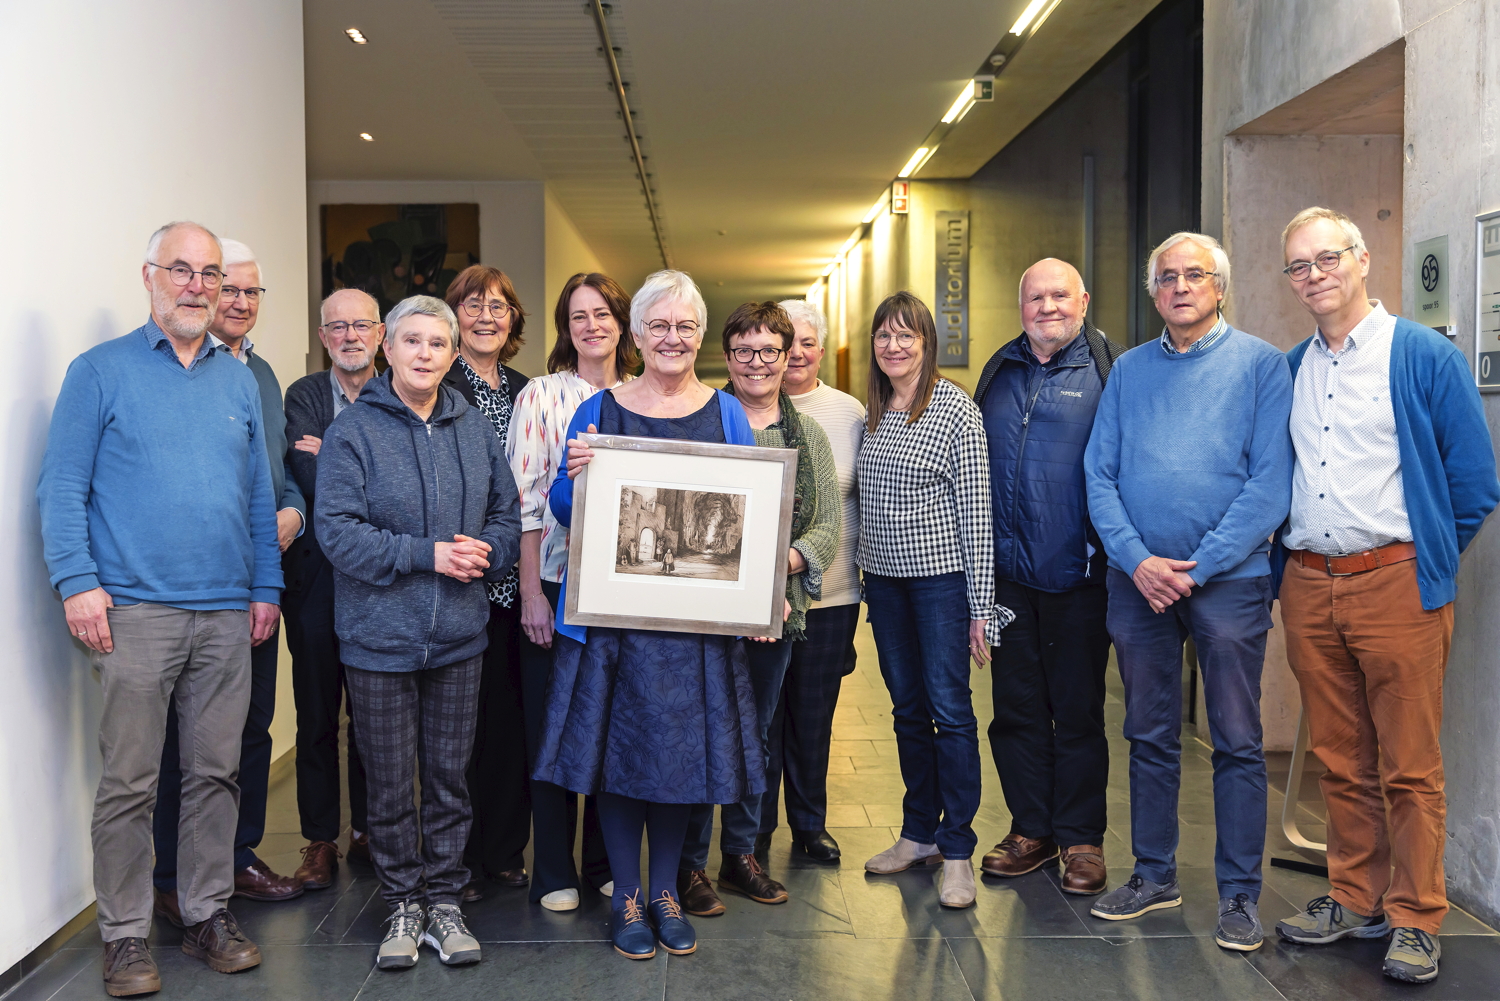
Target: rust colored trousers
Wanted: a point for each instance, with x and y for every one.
(1370, 662)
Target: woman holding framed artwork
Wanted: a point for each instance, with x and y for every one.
(591, 353)
(928, 559)
(651, 722)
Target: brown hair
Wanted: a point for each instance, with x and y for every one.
(564, 356)
(477, 279)
(903, 309)
(752, 316)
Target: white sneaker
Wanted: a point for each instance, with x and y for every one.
(398, 950)
(902, 856)
(607, 890)
(447, 933)
(561, 900)
(957, 889)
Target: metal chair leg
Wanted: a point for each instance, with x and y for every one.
(1294, 790)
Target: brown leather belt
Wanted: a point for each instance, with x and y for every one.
(1345, 566)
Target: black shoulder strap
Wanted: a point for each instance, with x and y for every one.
(1104, 350)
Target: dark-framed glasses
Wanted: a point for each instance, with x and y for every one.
(661, 328)
(181, 274)
(1298, 271)
(903, 339)
(498, 310)
(747, 355)
(1194, 278)
(234, 292)
(338, 328)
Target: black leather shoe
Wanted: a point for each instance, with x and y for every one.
(473, 892)
(819, 845)
(512, 878)
(743, 873)
(763, 850)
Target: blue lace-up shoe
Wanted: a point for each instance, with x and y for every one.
(628, 929)
(672, 930)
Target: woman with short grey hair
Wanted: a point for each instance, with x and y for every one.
(416, 508)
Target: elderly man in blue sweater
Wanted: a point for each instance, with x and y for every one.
(159, 530)
(1189, 471)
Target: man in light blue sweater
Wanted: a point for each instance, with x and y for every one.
(1189, 471)
(159, 530)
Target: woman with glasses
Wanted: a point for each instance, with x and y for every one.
(592, 353)
(651, 722)
(928, 558)
(757, 337)
(490, 322)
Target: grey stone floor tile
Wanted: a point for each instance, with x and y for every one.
(551, 971)
(816, 906)
(1299, 888)
(1350, 971)
(821, 968)
(58, 971)
(905, 905)
(1197, 916)
(287, 973)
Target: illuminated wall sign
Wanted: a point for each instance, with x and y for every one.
(952, 313)
(900, 197)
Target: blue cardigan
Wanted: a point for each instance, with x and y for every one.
(737, 431)
(1447, 459)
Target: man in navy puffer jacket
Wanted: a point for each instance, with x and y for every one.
(1038, 395)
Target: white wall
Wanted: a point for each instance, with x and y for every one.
(566, 254)
(118, 117)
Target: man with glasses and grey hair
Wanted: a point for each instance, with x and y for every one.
(1395, 473)
(1189, 471)
(159, 530)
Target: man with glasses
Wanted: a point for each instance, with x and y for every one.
(1394, 475)
(159, 530)
(1189, 472)
(351, 332)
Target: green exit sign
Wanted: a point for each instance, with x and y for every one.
(984, 90)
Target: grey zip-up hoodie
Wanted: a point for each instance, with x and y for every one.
(389, 488)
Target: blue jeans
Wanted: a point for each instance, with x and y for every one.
(740, 822)
(921, 627)
(1228, 621)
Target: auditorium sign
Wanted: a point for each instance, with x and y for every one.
(952, 289)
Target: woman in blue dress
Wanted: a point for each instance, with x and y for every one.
(651, 722)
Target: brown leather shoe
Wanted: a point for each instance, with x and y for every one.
(320, 860)
(743, 873)
(1083, 869)
(473, 892)
(220, 943)
(258, 882)
(1017, 855)
(512, 878)
(167, 909)
(129, 968)
(697, 894)
(359, 849)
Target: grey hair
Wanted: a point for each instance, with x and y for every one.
(1021, 285)
(662, 286)
(801, 309)
(236, 252)
(1352, 235)
(422, 305)
(323, 306)
(1208, 243)
(154, 244)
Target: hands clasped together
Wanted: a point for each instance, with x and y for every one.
(1162, 581)
(463, 559)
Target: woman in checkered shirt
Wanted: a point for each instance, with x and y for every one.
(929, 578)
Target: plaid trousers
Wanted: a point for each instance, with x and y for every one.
(422, 720)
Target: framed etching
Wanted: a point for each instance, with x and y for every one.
(681, 536)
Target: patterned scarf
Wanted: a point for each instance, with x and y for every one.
(494, 403)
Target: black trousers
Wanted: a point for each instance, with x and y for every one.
(319, 688)
(1048, 732)
(255, 774)
(554, 810)
(797, 749)
(497, 775)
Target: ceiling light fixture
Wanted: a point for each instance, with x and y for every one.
(1032, 10)
(961, 106)
(875, 211)
(917, 159)
(367, 137)
(356, 36)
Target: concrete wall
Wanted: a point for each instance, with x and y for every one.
(566, 253)
(121, 117)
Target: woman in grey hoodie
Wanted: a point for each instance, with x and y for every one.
(416, 506)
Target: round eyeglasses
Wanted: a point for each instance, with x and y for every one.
(904, 339)
(234, 292)
(181, 274)
(498, 310)
(1298, 271)
(1194, 278)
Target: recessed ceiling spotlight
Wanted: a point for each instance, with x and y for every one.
(356, 36)
(367, 137)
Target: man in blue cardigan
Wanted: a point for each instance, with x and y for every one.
(1394, 474)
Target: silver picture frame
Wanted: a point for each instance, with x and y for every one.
(667, 535)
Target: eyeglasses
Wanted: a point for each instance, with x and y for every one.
(1298, 271)
(747, 355)
(338, 328)
(183, 275)
(499, 310)
(1194, 278)
(661, 328)
(904, 339)
(233, 292)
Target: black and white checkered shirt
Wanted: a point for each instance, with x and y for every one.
(924, 498)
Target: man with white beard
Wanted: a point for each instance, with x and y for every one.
(351, 331)
(159, 530)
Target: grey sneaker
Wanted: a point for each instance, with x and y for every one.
(1413, 956)
(1239, 924)
(1138, 896)
(398, 950)
(1326, 920)
(447, 933)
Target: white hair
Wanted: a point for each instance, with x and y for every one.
(422, 305)
(801, 309)
(1352, 236)
(236, 252)
(663, 286)
(323, 306)
(1208, 243)
(154, 244)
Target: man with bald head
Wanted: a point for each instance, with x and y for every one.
(1038, 394)
(351, 332)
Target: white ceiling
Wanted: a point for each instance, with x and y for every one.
(770, 126)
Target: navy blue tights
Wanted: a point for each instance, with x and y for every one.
(622, 820)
